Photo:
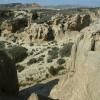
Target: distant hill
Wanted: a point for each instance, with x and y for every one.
(65, 6)
(19, 6)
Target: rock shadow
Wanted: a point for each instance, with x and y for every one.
(42, 90)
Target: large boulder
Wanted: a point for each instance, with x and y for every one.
(8, 75)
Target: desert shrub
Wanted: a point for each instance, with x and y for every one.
(49, 60)
(34, 15)
(29, 78)
(60, 61)
(53, 53)
(42, 55)
(20, 68)
(43, 18)
(59, 68)
(18, 53)
(66, 50)
(52, 71)
(2, 45)
(40, 59)
(31, 61)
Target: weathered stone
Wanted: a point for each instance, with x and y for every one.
(78, 22)
(15, 24)
(84, 83)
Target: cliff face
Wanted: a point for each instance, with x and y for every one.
(56, 28)
(83, 84)
(64, 47)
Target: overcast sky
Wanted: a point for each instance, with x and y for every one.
(56, 2)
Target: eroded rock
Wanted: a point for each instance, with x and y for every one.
(84, 82)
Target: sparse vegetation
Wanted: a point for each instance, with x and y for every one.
(2, 45)
(49, 60)
(55, 71)
(60, 61)
(66, 50)
(40, 59)
(18, 53)
(52, 71)
(20, 68)
(53, 53)
(31, 61)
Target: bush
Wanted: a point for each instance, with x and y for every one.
(40, 58)
(53, 54)
(49, 60)
(60, 61)
(34, 15)
(31, 61)
(52, 71)
(18, 53)
(20, 68)
(2, 44)
(66, 50)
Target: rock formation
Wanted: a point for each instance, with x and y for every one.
(8, 76)
(84, 83)
(63, 46)
(78, 22)
(15, 25)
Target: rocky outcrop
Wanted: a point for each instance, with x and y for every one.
(8, 76)
(40, 32)
(27, 30)
(15, 25)
(78, 22)
(84, 82)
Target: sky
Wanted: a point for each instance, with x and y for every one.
(56, 2)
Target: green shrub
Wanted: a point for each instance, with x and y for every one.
(53, 53)
(60, 61)
(31, 61)
(52, 71)
(49, 60)
(2, 44)
(18, 53)
(20, 68)
(66, 50)
(40, 59)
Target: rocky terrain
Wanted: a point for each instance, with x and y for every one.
(48, 54)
